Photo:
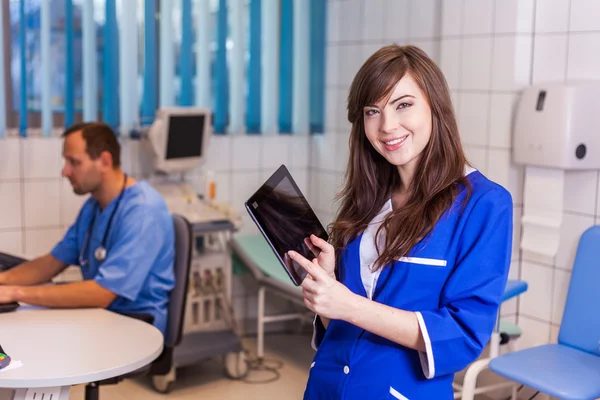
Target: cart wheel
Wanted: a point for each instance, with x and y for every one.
(236, 365)
(162, 383)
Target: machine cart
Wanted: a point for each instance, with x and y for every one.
(208, 326)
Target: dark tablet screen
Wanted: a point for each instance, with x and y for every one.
(286, 220)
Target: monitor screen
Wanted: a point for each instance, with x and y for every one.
(185, 136)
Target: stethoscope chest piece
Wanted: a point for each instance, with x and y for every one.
(100, 253)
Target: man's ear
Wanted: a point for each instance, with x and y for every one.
(106, 160)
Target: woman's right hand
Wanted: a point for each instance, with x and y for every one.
(326, 257)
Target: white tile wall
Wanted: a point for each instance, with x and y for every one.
(473, 118)
(550, 58)
(476, 63)
(537, 301)
(373, 29)
(11, 205)
(571, 229)
(41, 203)
(535, 332)
(584, 56)
(246, 152)
(12, 242)
(396, 20)
(552, 15)
(511, 62)
(450, 61)
(219, 157)
(502, 107)
(276, 151)
(41, 241)
(580, 191)
(478, 17)
(506, 10)
(559, 295)
(10, 159)
(424, 19)
(452, 17)
(42, 157)
(585, 15)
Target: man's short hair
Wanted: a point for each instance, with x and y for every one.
(98, 137)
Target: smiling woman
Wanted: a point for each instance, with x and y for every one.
(421, 244)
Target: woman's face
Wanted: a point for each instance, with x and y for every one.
(399, 128)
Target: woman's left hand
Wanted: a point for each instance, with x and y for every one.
(323, 295)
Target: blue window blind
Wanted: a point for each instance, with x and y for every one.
(150, 87)
(221, 91)
(23, 71)
(286, 62)
(254, 70)
(110, 94)
(186, 59)
(318, 18)
(69, 69)
(208, 65)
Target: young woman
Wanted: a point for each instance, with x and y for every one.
(407, 293)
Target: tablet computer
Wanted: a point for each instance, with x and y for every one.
(286, 220)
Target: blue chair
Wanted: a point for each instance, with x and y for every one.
(568, 370)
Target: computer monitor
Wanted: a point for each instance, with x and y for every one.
(179, 137)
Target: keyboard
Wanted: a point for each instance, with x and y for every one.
(8, 261)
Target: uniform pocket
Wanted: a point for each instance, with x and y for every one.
(396, 394)
(434, 262)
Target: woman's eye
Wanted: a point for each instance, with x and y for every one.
(403, 105)
(370, 113)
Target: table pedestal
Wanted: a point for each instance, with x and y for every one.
(51, 393)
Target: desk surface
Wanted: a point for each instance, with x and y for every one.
(69, 347)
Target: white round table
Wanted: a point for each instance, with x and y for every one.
(60, 348)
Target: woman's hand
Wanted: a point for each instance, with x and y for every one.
(323, 294)
(326, 255)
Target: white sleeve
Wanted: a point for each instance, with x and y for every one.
(427, 360)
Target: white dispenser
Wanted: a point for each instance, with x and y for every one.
(557, 128)
(557, 125)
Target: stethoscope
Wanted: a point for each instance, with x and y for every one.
(100, 252)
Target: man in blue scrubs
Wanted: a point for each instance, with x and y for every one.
(123, 238)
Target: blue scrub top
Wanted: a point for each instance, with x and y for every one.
(140, 247)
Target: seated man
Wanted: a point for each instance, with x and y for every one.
(123, 238)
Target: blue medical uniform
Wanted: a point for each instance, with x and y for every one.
(140, 249)
(453, 280)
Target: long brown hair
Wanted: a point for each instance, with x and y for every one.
(370, 179)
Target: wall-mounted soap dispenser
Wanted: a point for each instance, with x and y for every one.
(557, 125)
(556, 128)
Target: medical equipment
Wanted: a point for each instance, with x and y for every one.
(100, 252)
(179, 138)
(178, 141)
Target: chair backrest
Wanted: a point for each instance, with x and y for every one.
(177, 298)
(580, 327)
